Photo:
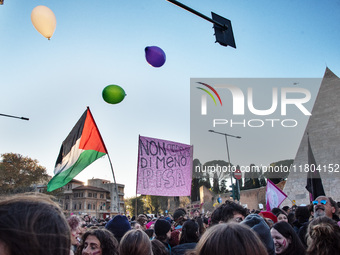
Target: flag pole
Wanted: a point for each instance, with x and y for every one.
(137, 178)
(114, 179)
(113, 174)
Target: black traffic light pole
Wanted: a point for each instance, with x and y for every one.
(198, 14)
(223, 30)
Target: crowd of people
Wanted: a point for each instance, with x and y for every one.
(35, 224)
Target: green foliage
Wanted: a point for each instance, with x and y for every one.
(276, 177)
(130, 204)
(155, 204)
(18, 174)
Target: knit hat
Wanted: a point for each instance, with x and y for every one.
(268, 215)
(119, 225)
(162, 227)
(257, 223)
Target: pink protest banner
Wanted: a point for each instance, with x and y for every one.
(164, 168)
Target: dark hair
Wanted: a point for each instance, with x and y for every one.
(285, 208)
(291, 218)
(33, 224)
(230, 238)
(135, 242)
(150, 232)
(189, 232)
(179, 216)
(108, 243)
(295, 247)
(201, 227)
(226, 211)
(158, 248)
(323, 236)
(302, 213)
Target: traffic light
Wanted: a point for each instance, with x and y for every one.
(235, 194)
(237, 191)
(232, 191)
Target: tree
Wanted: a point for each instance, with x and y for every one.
(131, 205)
(277, 171)
(18, 173)
(155, 204)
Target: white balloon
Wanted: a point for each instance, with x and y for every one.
(43, 19)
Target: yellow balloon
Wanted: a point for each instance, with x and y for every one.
(43, 19)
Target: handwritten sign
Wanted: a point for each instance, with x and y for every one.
(164, 168)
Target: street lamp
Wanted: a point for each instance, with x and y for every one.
(226, 141)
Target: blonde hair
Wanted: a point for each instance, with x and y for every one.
(323, 236)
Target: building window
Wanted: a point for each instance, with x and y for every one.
(94, 207)
(66, 206)
(67, 197)
(90, 194)
(82, 194)
(95, 195)
(89, 206)
(75, 206)
(101, 195)
(79, 206)
(68, 186)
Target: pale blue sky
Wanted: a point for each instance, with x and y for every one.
(97, 43)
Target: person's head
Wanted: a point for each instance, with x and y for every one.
(282, 216)
(142, 220)
(162, 229)
(323, 236)
(180, 216)
(269, 217)
(150, 232)
(189, 232)
(82, 227)
(135, 242)
(201, 227)
(158, 248)
(286, 209)
(324, 206)
(99, 242)
(196, 213)
(259, 225)
(229, 211)
(33, 224)
(230, 238)
(118, 226)
(302, 214)
(285, 239)
(74, 223)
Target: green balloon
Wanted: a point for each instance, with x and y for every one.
(113, 94)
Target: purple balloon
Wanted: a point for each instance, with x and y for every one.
(155, 56)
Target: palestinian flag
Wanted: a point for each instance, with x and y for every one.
(81, 147)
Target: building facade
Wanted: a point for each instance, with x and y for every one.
(99, 198)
